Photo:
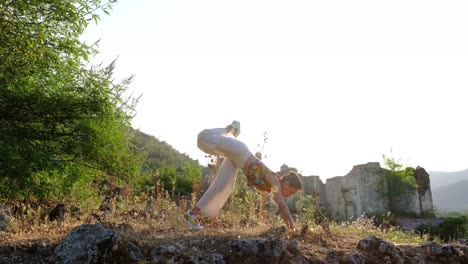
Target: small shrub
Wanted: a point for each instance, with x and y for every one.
(310, 212)
(452, 228)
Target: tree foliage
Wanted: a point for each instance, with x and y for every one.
(161, 162)
(401, 183)
(60, 120)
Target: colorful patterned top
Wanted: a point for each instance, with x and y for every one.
(256, 173)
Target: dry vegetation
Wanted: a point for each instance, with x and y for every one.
(148, 224)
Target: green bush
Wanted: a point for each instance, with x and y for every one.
(452, 228)
(245, 199)
(310, 212)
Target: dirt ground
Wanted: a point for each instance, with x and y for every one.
(313, 245)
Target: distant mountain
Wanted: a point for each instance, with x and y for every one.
(449, 190)
(453, 197)
(440, 178)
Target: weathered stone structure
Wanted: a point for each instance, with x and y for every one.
(365, 190)
(362, 190)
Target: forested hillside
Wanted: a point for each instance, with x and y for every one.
(158, 152)
(160, 161)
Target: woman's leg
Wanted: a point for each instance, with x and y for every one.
(213, 141)
(219, 190)
(236, 153)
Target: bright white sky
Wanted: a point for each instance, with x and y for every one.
(333, 83)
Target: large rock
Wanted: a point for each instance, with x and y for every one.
(134, 253)
(5, 217)
(264, 251)
(424, 190)
(166, 254)
(89, 244)
(375, 248)
(446, 253)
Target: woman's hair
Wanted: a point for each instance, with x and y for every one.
(293, 179)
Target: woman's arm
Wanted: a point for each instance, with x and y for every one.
(272, 179)
(284, 210)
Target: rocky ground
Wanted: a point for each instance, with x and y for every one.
(160, 236)
(122, 243)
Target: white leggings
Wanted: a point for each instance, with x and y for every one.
(236, 153)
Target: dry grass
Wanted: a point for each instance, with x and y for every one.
(159, 223)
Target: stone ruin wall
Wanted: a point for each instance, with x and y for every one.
(365, 190)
